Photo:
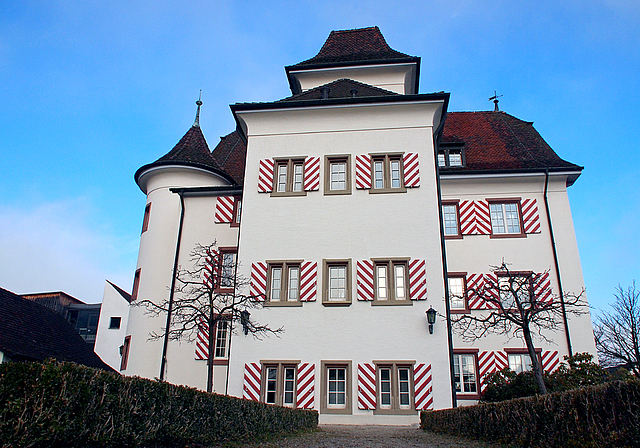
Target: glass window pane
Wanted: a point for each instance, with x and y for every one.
(395, 174)
(337, 283)
(385, 387)
(456, 293)
(455, 158)
(221, 339)
(512, 217)
(276, 283)
(381, 272)
(294, 283)
(450, 217)
(441, 159)
(378, 174)
(298, 174)
(497, 218)
(282, 177)
(338, 176)
(401, 291)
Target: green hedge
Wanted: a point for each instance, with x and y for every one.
(65, 405)
(598, 416)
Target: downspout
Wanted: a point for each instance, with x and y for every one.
(555, 260)
(235, 285)
(163, 363)
(454, 399)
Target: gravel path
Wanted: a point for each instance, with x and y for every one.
(352, 436)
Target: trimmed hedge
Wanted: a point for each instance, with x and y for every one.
(598, 416)
(59, 404)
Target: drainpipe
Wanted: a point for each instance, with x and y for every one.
(555, 260)
(163, 363)
(454, 398)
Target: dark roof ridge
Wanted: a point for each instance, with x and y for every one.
(309, 94)
(125, 295)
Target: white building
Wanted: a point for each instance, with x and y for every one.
(349, 190)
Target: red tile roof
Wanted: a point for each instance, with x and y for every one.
(230, 154)
(499, 141)
(359, 45)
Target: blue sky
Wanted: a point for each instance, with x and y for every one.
(91, 91)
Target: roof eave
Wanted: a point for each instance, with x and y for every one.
(150, 166)
(572, 172)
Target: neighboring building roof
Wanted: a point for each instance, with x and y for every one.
(125, 295)
(341, 88)
(497, 141)
(191, 150)
(230, 154)
(57, 301)
(346, 47)
(31, 332)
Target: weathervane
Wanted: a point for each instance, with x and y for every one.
(494, 98)
(196, 123)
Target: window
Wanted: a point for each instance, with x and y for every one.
(505, 218)
(114, 322)
(450, 220)
(450, 157)
(136, 285)
(124, 353)
(394, 388)
(387, 173)
(519, 362)
(391, 287)
(279, 384)
(283, 283)
(464, 372)
(237, 210)
(516, 284)
(457, 292)
(336, 281)
(289, 177)
(337, 176)
(145, 221)
(222, 339)
(227, 268)
(336, 387)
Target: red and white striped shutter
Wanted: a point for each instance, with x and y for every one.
(210, 264)
(486, 365)
(366, 386)
(530, 215)
(259, 280)
(224, 209)
(467, 212)
(411, 170)
(491, 289)
(422, 386)
(542, 287)
(501, 360)
(202, 341)
(252, 380)
(308, 281)
(312, 173)
(305, 387)
(483, 218)
(363, 171)
(550, 361)
(265, 176)
(364, 280)
(475, 290)
(418, 279)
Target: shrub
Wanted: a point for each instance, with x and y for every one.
(596, 416)
(65, 405)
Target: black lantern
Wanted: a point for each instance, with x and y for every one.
(244, 320)
(431, 318)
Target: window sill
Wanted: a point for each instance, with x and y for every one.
(283, 303)
(387, 190)
(328, 192)
(288, 193)
(335, 411)
(453, 237)
(467, 396)
(460, 311)
(508, 235)
(392, 303)
(217, 361)
(335, 303)
(394, 412)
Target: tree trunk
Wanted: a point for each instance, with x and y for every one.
(535, 364)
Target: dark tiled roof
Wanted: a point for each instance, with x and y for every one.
(31, 332)
(230, 154)
(359, 45)
(191, 150)
(125, 295)
(341, 88)
(499, 141)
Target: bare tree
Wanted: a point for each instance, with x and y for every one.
(520, 306)
(617, 333)
(207, 295)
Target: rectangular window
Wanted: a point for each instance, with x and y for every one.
(505, 218)
(387, 173)
(450, 220)
(519, 362)
(464, 372)
(516, 285)
(114, 323)
(450, 157)
(394, 388)
(391, 282)
(279, 383)
(222, 339)
(145, 221)
(136, 285)
(336, 282)
(337, 175)
(289, 177)
(237, 211)
(283, 279)
(457, 292)
(227, 269)
(124, 360)
(335, 387)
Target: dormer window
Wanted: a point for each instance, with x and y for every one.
(451, 157)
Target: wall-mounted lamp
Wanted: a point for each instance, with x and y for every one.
(244, 320)
(431, 318)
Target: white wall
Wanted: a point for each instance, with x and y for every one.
(109, 340)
